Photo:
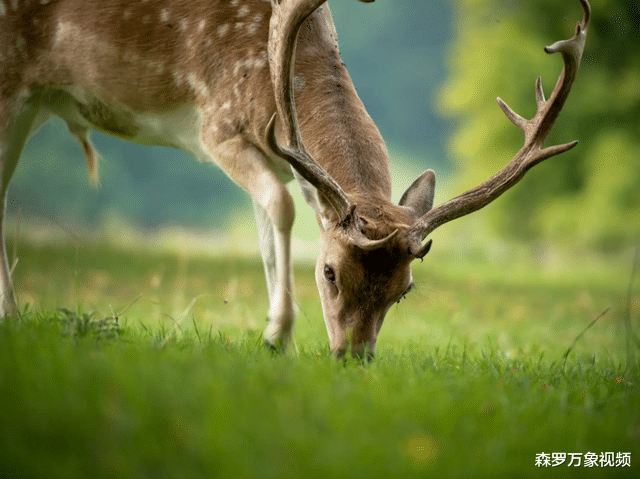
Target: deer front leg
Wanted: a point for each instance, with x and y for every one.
(274, 211)
(16, 119)
(275, 248)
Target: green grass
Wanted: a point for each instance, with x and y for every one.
(469, 378)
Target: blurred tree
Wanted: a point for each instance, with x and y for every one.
(590, 195)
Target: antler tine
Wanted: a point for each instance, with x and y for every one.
(286, 19)
(536, 131)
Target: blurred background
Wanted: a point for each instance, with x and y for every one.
(428, 73)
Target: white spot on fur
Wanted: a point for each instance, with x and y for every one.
(226, 105)
(63, 30)
(44, 2)
(201, 25)
(14, 5)
(178, 77)
(184, 24)
(197, 85)
(127, 15)
(234, 3)
(223, 29)
(262, 59)
(237, 66)
(243, 11)
(3, 9)
(255, 25)
(164, 15)
(239, 25)
(250, 61)
(203, 89)
(208, 42)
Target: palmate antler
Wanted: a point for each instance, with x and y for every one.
(535, 130)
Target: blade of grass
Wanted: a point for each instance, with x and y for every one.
(566, 355)
(124, 310)
(627, 316)
(195, 326)
(176, 322)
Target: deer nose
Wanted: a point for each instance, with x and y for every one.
(364, 350)
(338, 353)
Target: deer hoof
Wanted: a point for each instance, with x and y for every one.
(276, 337)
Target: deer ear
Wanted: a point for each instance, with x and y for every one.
(315, 200)
(419, 196)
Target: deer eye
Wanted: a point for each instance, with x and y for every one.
(329, 274)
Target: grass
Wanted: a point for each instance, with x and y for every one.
(469, 380)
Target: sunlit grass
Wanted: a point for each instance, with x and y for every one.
(514, 302)
(469, 377)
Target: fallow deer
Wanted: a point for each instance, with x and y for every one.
(218, 79)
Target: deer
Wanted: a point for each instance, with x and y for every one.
(258, 88)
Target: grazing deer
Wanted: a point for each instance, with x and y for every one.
(218, 79)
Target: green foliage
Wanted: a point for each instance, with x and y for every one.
(82, 325)
(589, 195)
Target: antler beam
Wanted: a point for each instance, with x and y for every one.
(535, 130)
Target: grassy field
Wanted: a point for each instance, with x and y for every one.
(156, 369)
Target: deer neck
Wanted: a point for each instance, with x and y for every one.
(340, 135)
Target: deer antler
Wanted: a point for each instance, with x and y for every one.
(535, 130)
